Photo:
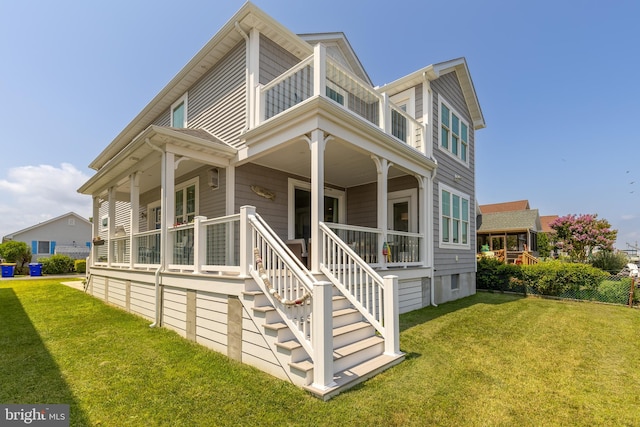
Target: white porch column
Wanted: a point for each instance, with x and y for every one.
(200, 244)
(424, 214)
(246, 241)
(322, 333)
(319, 70)
(110, 228)
(382, 167)
(167, 196)
(96, 229)
(391, 313)
(317, 196)
(230, 208)
(134, 202)
(230, 190)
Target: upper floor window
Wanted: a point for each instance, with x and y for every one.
(179, 113)
(454, 218)
(454, 133)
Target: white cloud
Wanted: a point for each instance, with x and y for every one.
(33, 194)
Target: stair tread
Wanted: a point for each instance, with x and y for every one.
(275, 326)
(350, 327)
(344, 311)
(252, 293)
(264, 308)
(357, 374)
(356, 346)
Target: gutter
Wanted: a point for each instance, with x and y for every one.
(163, 233)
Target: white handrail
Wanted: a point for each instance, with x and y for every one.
(285, 276)
(358, 282)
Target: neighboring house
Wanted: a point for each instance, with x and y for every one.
(270, 167)
(510, 226)
(68, 234)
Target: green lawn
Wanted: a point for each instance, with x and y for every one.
(487, 360)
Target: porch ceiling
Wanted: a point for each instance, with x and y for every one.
(344, 166)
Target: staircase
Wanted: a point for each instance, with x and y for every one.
(328, 331)
(358, 351)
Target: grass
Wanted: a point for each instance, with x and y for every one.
(486, 360)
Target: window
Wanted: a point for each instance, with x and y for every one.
(43, 247)
(186, 201)
(104, 223)
(454, 133)
(179, 113)
(455, 282)
(300, 208)
(406, 102)
(454, 218)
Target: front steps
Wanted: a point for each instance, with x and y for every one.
(358, 352)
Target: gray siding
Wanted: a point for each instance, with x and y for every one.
(362, 205)
(211, 203)
(273, 211)
(445, 262)
(274, 60)
(218, 102)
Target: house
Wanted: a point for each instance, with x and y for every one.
(510, 227)
(272, 204)
(68, 234)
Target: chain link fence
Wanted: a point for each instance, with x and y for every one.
(613, 290)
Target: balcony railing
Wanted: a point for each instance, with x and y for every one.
(321, 75)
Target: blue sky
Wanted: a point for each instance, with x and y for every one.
(556, 81)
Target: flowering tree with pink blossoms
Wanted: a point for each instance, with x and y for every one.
(579, 235)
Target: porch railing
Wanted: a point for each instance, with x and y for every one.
(148, 244)
(403, 247)
(375, 297)
(321, 75)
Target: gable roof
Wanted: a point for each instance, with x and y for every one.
(248, 16)
(41, 224)
(519, 205)
(432, 72)
(339, 41)
(510, 221)
(545, 220)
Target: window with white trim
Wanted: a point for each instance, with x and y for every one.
(186, 201)
(454, 132)
(179, 113)
(454, 218)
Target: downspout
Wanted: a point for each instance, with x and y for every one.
(246, 76)
(431, 254)
(160, 268)
(429, 152)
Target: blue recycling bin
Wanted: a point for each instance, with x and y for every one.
(35, 269)
(8, 269)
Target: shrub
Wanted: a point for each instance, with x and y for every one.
(495, 275)
(557, 277)
(609, 261)
(18, 253)
(80, 265)
(57, 264)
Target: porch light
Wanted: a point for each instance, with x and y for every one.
(214, 178)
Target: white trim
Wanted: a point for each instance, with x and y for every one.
(450, 245)
(182, 99)
(408, 98)
(303, 185)
(410, 196)
(448, 150)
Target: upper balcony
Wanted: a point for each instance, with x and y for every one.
(321, 75)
